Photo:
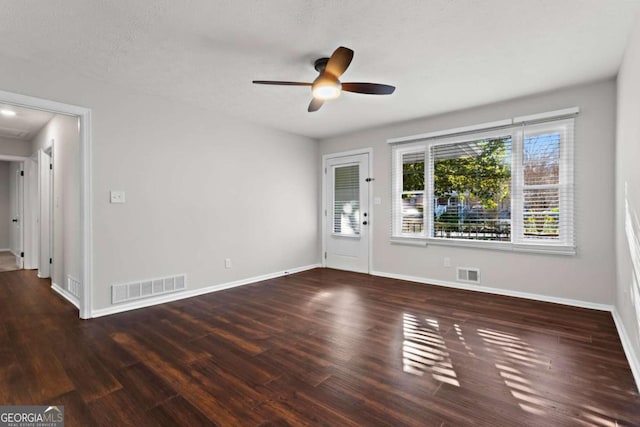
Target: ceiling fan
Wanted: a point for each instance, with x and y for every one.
(327, 86)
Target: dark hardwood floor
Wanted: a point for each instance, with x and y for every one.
(321, 347)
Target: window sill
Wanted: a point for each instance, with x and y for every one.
(539, 248)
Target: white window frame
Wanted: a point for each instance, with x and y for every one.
(397, 190)
(516, 129)
(565, 185)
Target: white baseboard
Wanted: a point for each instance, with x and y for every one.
(632, 357)
(66, 295)
(5, 250)
(195, 292)
(497, 291)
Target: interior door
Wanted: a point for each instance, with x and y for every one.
(347, 213)
(16, 215)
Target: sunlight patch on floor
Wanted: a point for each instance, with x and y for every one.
(510, 351)
(425, 351)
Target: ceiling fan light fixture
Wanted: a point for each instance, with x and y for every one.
(327, 86)
(326, 89)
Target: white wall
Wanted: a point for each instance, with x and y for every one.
(587, 276)
(5, 210)
(66, 210)
(628, 196)
(201, 186)
(15, 147)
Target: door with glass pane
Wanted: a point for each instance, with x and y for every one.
(347, 213)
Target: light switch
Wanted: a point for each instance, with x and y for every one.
(117, 196)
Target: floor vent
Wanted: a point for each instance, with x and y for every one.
(73, 286)
(147, 288)
(469, 275)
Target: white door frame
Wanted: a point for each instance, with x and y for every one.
(52, 217)
(32, 212)
(86, 243)
(45, 210)
(323, 207)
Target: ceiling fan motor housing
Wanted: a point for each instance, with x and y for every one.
(320, 64)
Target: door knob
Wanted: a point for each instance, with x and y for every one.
(14, 220)
(364, 223)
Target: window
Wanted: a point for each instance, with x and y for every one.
(472, 189)
(510, 187)
(413, 192)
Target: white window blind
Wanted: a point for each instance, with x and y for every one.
(506, 188)
(346, 204)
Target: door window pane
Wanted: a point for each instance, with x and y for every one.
(346, 204)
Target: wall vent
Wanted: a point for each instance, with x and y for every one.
(469, 275)
(73, 286)
(147, 288)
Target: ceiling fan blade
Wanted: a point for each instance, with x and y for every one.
(368, 88)
(276, 82)
(339, 61)
(315, 105)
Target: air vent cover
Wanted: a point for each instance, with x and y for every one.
(469, 275)
(73, 286)
(147, 288)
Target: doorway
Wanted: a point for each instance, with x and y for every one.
(77, 287)
(11, 214)
(347, 211)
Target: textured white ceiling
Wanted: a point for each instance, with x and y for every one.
(441, 54)
(25, 125)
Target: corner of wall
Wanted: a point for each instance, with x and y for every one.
(627, 203)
